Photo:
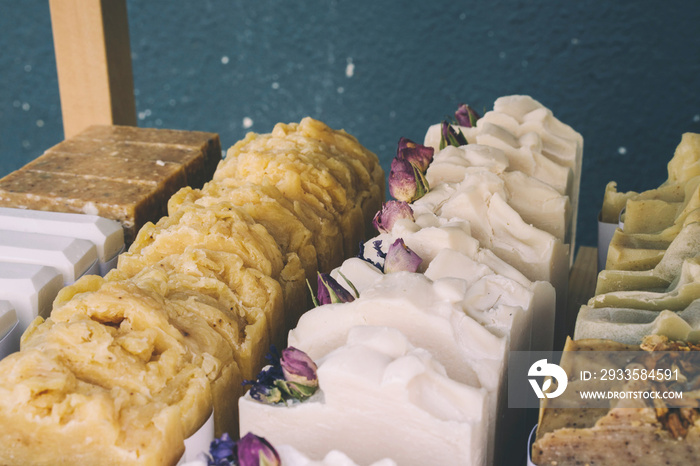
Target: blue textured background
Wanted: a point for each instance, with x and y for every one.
(625, 73)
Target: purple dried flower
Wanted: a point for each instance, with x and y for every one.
(222, 451)
(291, 376)
(466, 116)
(330, 291)
(298, 367)
(451, 137)
(265, 393)
(406, 182)
(256, 451)
(400, 258)
(391, 212)
(417, 154)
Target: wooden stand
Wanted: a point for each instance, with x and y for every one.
(93, 59)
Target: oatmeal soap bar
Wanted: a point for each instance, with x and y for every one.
(117, 172)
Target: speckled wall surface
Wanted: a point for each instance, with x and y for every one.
(623, 73)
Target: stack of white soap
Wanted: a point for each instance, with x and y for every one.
(494, 233)
(40, 252)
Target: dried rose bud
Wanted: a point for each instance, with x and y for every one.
(298, 367)
(417, 154)
(406, 182)
(256, 451)
(390, 212)
(400, 258)
(451, 137)
(466, 116)
(330, 291)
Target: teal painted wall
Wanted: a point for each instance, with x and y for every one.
(623, 73)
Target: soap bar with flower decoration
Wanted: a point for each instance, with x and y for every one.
(378, 397)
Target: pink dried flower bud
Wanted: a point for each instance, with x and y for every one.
(391, 212)
(418, 154)
(400, 258)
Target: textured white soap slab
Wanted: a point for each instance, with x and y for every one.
(30, 289)
(72, 257)
(9, 332)
(107, 235)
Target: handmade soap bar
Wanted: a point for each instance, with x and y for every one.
(684, 246)
(428, 314)
(199, 152)
(107, 235)
(498, 227)
(676, 297)
(129, 203)
(30, 289)
(118, 172)
(70, 256)
(538, 203)
(630, 326)
(379, 397)
(632, 432)
(311, 162)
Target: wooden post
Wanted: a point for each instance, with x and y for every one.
(93, 59)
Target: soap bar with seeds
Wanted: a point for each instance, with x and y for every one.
(118, 172)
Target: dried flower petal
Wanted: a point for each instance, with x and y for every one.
(417, 154)
(222, 451)
(466, 116)
(406, 182)
(298, 367)
(400, 258)
(330, 291)
(451, 137)
(390, 212)
(256, 451)
(266, 394)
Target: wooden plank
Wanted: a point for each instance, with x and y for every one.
(582, 281)
(93, 60)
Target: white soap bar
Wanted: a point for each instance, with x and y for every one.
(9, 333)
(107, 235)
(430, 315)
(498, 227)
(379, 397)
(427, 313)
(497, 301)
(70, 256)
(30, 289)
(290, 456)
(536, 202)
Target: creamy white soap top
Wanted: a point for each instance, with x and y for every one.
(428, 314)
(107, 235)
(380, 397)
(70, 256)
(290, 456)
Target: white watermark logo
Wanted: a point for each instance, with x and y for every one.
(542, 368)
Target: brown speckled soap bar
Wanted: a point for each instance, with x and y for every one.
(118, 172)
